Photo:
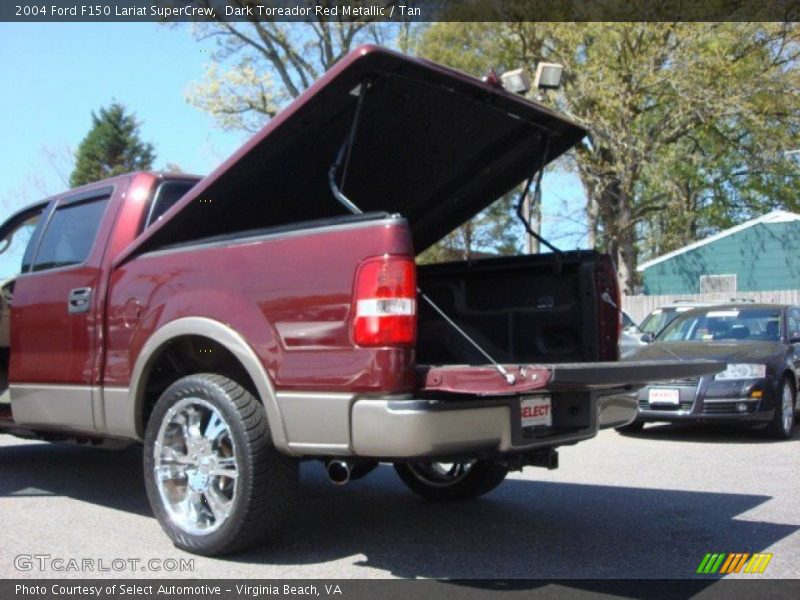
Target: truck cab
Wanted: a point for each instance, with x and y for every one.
(58, 252)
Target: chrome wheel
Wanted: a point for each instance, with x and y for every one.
(440, 474)
(195, 467)
(448, 482)
(787, 407)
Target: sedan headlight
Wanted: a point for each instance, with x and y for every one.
(742, 371)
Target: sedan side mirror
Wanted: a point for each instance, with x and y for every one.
(647, 337)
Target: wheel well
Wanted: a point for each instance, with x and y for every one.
(187, 355)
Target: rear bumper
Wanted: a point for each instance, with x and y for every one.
(471, 415)
(420, 428)
(404, 428)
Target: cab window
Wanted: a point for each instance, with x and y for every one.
(793, 322)
(70, 234)
(167, 194)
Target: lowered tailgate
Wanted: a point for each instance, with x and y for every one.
(486, 380)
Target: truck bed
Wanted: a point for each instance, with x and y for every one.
(524, 309)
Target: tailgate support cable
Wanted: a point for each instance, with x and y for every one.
(510, 379)
(344, 154)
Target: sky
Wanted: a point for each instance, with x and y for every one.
(55, 74)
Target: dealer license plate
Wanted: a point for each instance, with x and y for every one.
(664, 396)
(536, 411)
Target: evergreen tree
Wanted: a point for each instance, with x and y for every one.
(111, 147)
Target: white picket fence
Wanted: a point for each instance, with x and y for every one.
(639, 306)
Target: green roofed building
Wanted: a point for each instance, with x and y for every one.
(757, 256)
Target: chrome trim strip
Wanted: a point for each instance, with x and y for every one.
(321, 449)
(67, 407)
(726, 400)
(651, 412)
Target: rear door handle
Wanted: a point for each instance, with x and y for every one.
(79, 300)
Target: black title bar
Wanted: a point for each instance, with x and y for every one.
(364, 589)
(398, 11)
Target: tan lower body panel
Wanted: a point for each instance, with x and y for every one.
(62, 407)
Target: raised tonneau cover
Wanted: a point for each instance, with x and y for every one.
(432, 144)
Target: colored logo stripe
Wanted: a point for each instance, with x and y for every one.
(758, 563)
(732, 562)
(711, 563)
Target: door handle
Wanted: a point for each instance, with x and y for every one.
(78, 301)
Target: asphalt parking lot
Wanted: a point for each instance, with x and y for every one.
(649, 505)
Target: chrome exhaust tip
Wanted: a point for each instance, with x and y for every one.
(338, 471)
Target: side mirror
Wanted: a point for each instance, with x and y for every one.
(794, 337)
(647, 337)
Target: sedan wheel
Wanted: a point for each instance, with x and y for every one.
(783, 418)
(788, 408)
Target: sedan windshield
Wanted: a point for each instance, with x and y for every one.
(661, 317)
(725, 324)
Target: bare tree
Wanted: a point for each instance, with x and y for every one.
(258, 65)
(49, 176)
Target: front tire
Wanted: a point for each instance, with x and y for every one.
(214, 479)
(447, 482)
(780, 427)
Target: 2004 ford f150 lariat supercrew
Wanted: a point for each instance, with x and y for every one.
(273, 311)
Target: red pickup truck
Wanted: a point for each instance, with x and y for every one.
(273, 311)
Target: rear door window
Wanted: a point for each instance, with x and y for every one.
(70, 234)
(794, 322)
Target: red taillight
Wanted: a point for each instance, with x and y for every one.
(385, 302)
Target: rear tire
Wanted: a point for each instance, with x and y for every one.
(443, 482)
(215, 481)
(780, 427)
